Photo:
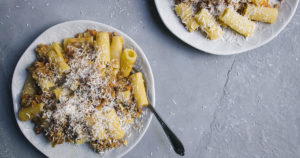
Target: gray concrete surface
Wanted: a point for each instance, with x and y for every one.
(246, 105)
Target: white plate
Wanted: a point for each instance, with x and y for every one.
(229, 44)
(57, 33)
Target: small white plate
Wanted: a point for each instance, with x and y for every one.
(231, 43)
(58, 33)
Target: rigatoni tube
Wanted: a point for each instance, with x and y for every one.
(139, 91)
(113, 122)
(128, 58)
(56, 59)
(29, 87)
(116, 50)
(103, 47)
(208, 24)
(237, 22)
(68, 41)
(185, 13)
(260, 13)
(30, 112)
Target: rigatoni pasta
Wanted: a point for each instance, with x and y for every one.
(113, 122)
(116, 48)
(139, 90)
(185, 13)
(103, 47)
(68, 100)
(28, 92)
(42, 75)
(27, 113)
(79, 41)
(208, 24)
(56, 59)
(98, 125)
(211, 14)
(127, 61)
(261, 13)
(237, 22)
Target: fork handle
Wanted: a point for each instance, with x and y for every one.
(176, 143)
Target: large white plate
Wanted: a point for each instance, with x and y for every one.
(57, 33)
(229, 44)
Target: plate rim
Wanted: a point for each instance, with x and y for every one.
(151, 79)
(233, 52)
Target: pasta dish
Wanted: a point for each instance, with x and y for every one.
(210, 15)
(84, 90)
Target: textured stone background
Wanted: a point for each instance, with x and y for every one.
(246, 105)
